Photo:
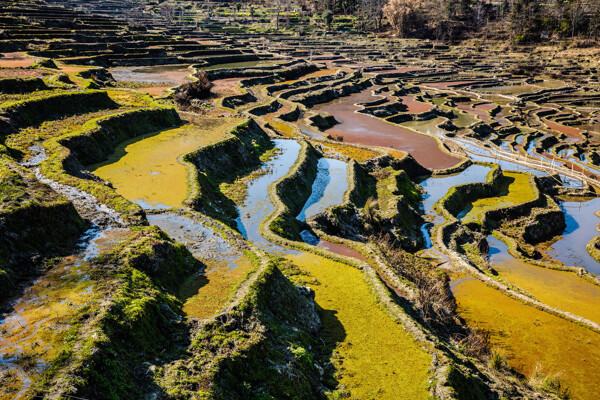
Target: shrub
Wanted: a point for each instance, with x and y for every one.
(548, 383)
(199, 89)
(498, 362)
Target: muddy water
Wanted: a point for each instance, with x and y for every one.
(448, 84)
(480, 113)
(257, 205)
(35, 325)
(164, 74)
(581, 228)
(429, 127)
(209, 290)
(563, 290)
(146, 169)
(16, 60)
(414, 106)
(464, 119)
(571, 132)
(363, 129)
(245, 64)
(511, 89)
(528, 336)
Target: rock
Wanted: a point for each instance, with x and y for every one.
(306, 292)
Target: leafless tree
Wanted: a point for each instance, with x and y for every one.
(373, 10)
(577, 13)
(168, 12)
(401, 14)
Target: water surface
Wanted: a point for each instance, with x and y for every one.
(581, 228)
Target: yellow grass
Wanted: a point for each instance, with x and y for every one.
(207, 293)
(516, 189)
(356, 153)
(375, 357)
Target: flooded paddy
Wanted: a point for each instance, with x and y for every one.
(328, 188)
(480, 113)
(245, 64)
(429, 127)
(511, 89)
(154, 80)
(571, 132)
(208, 291)
(414, 106)
(165, 74)
(16, 60)
(370, 347)
(356, 153)
(527, 336)
(35, 327)
(480, 154)
(515, 189)
(581, 228)
(258, 206)
(436, 187)
(147, 169)
(563, 290)
(365, 130)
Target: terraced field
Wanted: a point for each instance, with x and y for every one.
(193, 212)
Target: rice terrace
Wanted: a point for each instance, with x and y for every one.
(294, 199)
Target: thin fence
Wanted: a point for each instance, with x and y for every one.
(549, 166)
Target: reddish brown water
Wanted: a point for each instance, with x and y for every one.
(414, 106)
(479, 112)
(19, 72)
(448, 84)
(362, 129)
(341, 249)
(16, 60)
(570, 131)
(227, 87)
(404, 69)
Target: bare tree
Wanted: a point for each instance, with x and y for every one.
(577, 13)
(401, 15)
(373, 10)
(168, 12)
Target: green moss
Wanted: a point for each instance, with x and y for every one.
(139, 323)
(263, 349)
(150, 250)
(32, 111)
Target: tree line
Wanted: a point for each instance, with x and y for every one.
(523, 21)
